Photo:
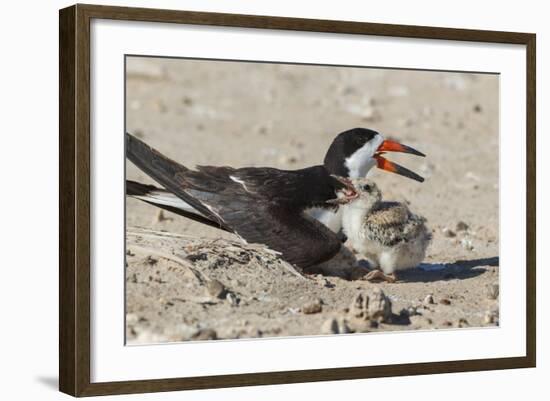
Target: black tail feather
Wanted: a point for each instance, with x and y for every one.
(167, 173)
(141, 191)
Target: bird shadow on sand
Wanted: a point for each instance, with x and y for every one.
(346, 265)
(458, 270)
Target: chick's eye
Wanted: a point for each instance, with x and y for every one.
(366, 187)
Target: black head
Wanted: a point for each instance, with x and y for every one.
(345, 145)
(354, 152)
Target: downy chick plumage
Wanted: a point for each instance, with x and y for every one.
(388, 234)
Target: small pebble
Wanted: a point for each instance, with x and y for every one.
(472, 176)
(160, 106)
(492, 291)
(372, 305)
(447, 232)
(232, 299)
(288, 159)
(461, 226)
(205, 334)
(328, 284)
(477, 108)
(151, 260)
(467, 244)
(216, 289)
(429, 300)
(491, 317)
(347, 90)
(312, 307)
(187, 101)
(462, 322)
(131, 318)
(445, 301)
(160, 217)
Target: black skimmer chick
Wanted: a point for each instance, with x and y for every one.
(259, 204)
(352, 154)
(387, 234)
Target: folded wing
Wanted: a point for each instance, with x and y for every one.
(235, 200)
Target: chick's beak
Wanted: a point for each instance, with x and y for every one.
(347, 193)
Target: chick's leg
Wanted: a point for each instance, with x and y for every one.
(379, 275)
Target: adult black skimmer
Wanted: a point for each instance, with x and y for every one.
(386, 233)
(259, 204)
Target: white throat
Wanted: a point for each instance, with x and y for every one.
(360, 162)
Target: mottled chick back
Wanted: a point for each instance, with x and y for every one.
(392, 223)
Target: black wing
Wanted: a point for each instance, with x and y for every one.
(302, 240)
(304, 188)
(239, 203)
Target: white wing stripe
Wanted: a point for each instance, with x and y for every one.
(167, 199)
(239, 181)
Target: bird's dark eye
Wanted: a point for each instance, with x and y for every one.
(366, 187)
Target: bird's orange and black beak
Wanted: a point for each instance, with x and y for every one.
(384, 164)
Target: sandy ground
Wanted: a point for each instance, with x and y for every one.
(186, 281)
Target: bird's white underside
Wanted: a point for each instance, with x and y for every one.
(330, 218)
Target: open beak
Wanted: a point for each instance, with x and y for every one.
(385, 164)
(393, 146)
(348, 192)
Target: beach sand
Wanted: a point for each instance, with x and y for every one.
(186, 281)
